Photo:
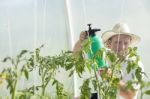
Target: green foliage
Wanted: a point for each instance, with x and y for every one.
(47, 67)
(60, 91)
(26, 62)
(85, 90)
(106, 83)
(15, 71)
(147, 92)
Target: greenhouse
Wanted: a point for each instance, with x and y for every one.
(74, 49)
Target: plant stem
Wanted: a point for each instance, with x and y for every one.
(43, 90)
(14, 90)
(97, 82)
(43, 87)
(141, 96)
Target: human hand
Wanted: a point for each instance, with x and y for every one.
(124, 92)
(78, 44)
(83, 36)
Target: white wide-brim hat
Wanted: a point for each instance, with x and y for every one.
(118, 29)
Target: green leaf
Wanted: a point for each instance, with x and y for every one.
(147, 92)
(94, 84)
(85, 89)
(115, 81)
(55, 81)
(130, 85)
(7, 58)
(138, 74)
(42, 45)
(132, 54)
(129, 67)
(22, 53)
(39, 72)
(89, 66)
(22, 96)
(135, 48)
(112, 57)
(26, 74)
(71, 73)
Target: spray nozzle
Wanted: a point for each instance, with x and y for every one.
(92, 31)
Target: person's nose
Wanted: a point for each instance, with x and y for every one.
(121, 46)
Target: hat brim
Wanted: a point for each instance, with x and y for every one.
(108, 34)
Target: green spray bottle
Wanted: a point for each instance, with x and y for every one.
(97, 44)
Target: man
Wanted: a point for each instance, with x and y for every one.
(118, 40)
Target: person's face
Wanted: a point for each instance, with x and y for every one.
(120, 44)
